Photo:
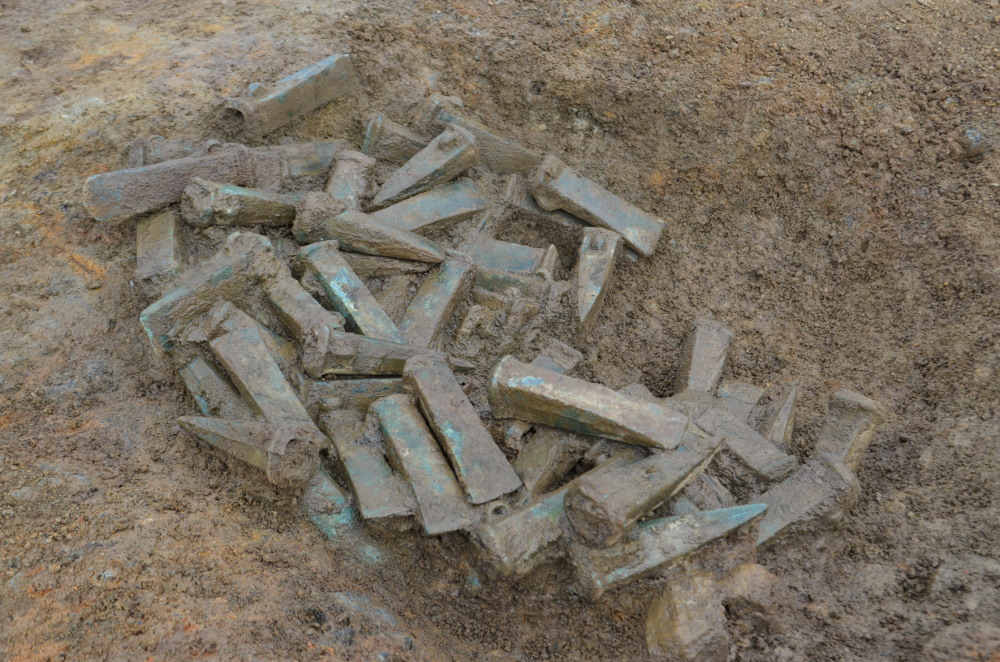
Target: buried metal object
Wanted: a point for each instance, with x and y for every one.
(262, 110)
(288, 453)
(518, 390)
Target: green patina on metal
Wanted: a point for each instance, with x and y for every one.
(655, 545)
(257, 375)
(348, 295)
(518, 390)
(435, 302)
(556, 186)
(295, 95)
(414, 452)
(514, 258)
(444, 158)
(482, 469)
(449, 203)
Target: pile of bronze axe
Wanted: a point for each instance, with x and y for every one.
(332, 339)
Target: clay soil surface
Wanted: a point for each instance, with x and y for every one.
(823, 171)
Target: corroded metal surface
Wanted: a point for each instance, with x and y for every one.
(288, 453)
(349, 178)
(500, 154)
(655, 544)
(521, 391)
(816, 497)
(850, 425)
(390, 141)
(514, 258)
(153, 149)
(779, 422)
(448, 203)
(159, 252)
(436, 301)
(347, 293)
(556, 186)
(142, 189)
(444, 158)
(213, 393)
(244, 261)
(378, 491)
(602, 509)
(441, 507)
(356, 394)
(480, 466)
(257, 375)
(301, 314)
(704, 356)
(264, 110)
(516, 543)
(135, 191)
(755, 452)
(205, 203)
(354, 354)
(599, 250)
(548, 456)
(320, 218)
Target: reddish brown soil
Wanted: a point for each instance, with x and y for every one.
(823, 199)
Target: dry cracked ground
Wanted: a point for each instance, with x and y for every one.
(830, 173)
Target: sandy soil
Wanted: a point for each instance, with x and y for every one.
(822, 167)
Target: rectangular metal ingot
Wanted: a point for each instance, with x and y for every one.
(556, 186)
(439, 295)
(390, 141)
(518, 390)
(347, 294)
(603, 509)
(262, 111)
(448, 203)
(479, 464)
(320, 218)
(415, 453)
(444, 158)
(595, 265)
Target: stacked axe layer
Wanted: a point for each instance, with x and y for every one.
(326, 366)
